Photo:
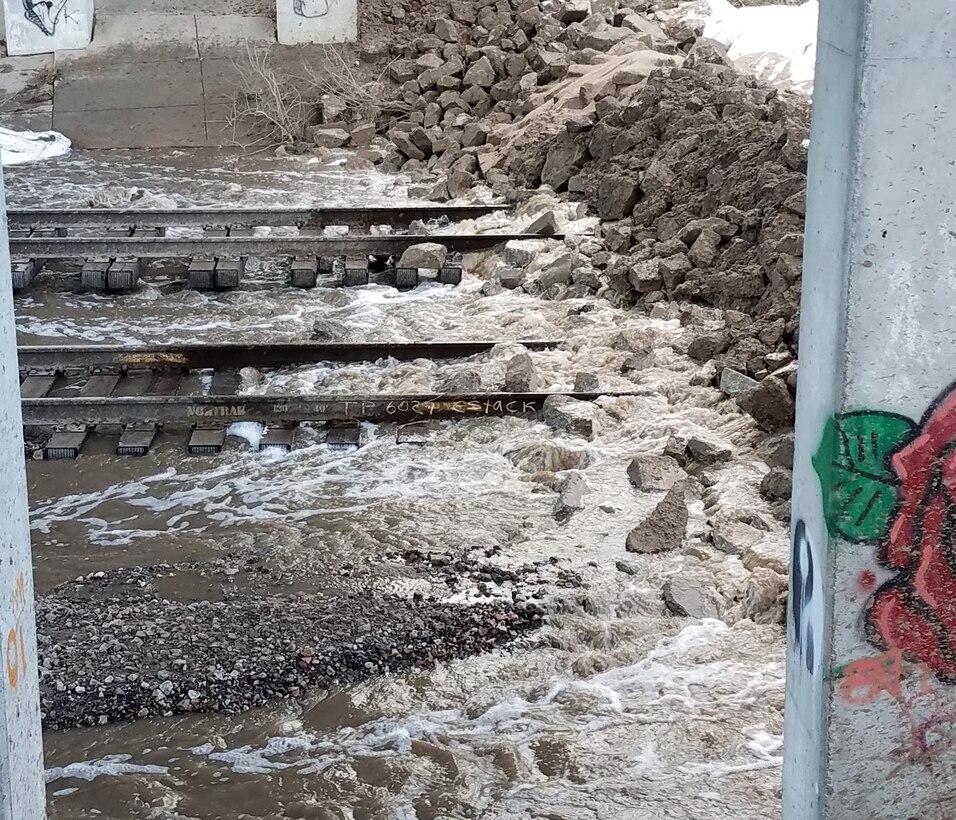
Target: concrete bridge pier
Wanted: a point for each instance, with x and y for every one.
(22, 793)
(871, 674)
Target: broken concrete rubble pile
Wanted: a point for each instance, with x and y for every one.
(697, 173)
(697, 177)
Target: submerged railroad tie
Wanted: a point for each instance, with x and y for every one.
(138, 392)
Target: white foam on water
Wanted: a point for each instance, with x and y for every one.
(109, 766)
(250, 431)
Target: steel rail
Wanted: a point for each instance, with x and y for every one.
(165, 247)
(268, 217)
(193, 410)
(235, 356)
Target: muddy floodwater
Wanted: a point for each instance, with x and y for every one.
(615, 707)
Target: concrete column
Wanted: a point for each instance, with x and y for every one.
(316, 21)
(22, 795)
(41, 27)
(871, 673)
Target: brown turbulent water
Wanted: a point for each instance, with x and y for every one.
(616, 710)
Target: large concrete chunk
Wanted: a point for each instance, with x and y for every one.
(664, 527)
(427, 255)
(521, 376)
(577, 417)
(770, 404)
(691, 594)
(652, 473)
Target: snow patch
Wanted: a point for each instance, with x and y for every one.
(778, 44)
(19, 147)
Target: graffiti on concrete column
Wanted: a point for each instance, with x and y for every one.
(806, 600)
(44, 14)
(311, 8)
(891, 482)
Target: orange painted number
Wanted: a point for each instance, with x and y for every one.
(16, 656)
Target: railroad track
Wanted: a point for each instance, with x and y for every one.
(117, 246)
(139, 393)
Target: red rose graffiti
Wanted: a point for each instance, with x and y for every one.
(892, 483)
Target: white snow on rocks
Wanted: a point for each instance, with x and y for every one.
(776, 43)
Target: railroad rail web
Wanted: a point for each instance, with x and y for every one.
(136, 393)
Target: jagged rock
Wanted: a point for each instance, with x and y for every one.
(656, 178)
(734, 537)
(663, 529)
(773, 552)
(571, 492)
(480, 73)
(676, 448)
(777, 485)
(577, 417)
(404, 144)
(544, 225)
(330, 137)
(645, 276)
(652, 473)
(706, 50)
(624, 567)
(704, 249)
(473, 135)
(604, 39)
(403, 71)
(763, 597)
(707, 453)
(521, 376)
(708, 345)
(770, 404)
(459, 183)
(463, 11)
(558, 271)
(249, 378)
(782, 453)
(673, 270)
(446, 30)
(574, 11)
(550, 66)
(511, 278)
(691, 594)
(491, 288)
(587, 277)
(463, 382)
(617, 197)
(522, 252)
(423, 141)
(427, 255)
(587, 383)
(363, 134)
(329, 330)
(561, 161)
(734, 383)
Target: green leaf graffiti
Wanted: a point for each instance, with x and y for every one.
(857, 481)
